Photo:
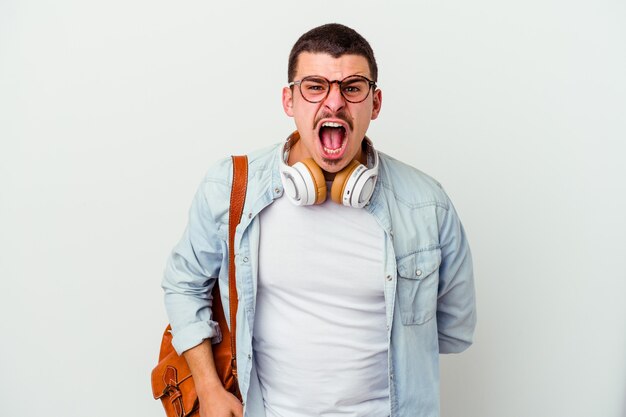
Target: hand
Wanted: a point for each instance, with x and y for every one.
(221, 404)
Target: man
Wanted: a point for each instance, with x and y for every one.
(343, 308)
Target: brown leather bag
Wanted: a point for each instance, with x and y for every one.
(172, 382)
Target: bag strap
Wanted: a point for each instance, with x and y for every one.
(237, 199)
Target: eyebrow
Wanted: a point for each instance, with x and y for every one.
(321, 77)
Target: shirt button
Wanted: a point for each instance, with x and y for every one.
(418, 272)
(249, 215)
(245, 259)
(277, 190)
(249, 356)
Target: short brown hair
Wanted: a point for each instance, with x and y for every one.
(335, 40)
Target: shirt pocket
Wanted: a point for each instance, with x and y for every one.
(417, 286)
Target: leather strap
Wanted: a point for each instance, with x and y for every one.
(237, 199)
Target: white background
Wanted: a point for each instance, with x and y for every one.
(110, 112)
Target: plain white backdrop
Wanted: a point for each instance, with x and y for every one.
(110, 112)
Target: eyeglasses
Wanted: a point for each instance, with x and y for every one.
(315, 88)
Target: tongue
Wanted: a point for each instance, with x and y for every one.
(331, 137)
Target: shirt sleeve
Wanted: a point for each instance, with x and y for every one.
(190, 273)
(456, 301)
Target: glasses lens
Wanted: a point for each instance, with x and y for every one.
(314, 88)
(355, 89)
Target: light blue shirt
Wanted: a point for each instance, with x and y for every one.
(429, 286)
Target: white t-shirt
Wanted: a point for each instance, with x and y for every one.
(320, 339)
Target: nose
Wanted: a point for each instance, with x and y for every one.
(334, 101)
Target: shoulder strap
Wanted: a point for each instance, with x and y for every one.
(237, 199)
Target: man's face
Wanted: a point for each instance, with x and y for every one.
(332, 148)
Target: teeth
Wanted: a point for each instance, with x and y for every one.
(331, 124)
(332, 151)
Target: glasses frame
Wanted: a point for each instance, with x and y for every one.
(330, 83)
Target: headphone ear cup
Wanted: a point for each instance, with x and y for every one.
(340, 181)
(317, 176)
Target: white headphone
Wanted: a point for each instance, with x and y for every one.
(305, 185)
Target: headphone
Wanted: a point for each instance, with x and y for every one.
(305, 185)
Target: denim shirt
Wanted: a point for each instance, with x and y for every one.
(428, 278)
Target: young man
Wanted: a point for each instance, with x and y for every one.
(344, 302)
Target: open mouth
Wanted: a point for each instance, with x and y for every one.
(332, 137)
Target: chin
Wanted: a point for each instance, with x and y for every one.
(333, 165)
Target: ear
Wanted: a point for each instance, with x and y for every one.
(378, 101)
(288, 101)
